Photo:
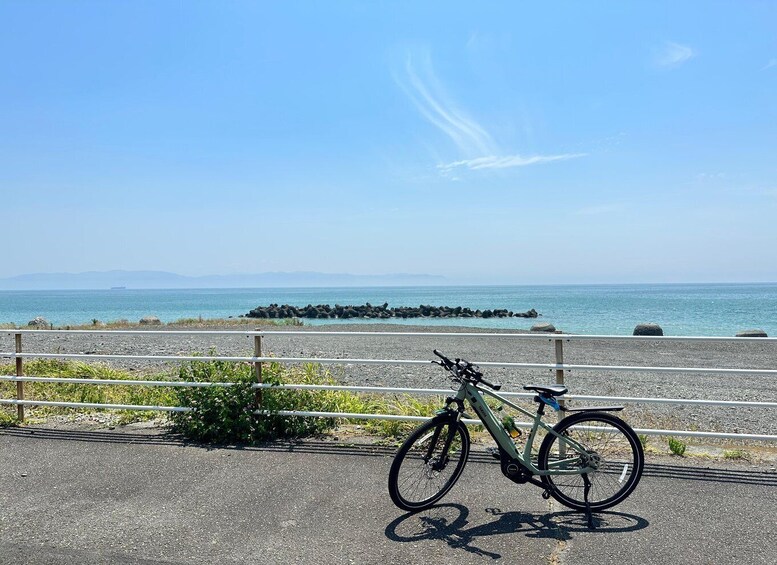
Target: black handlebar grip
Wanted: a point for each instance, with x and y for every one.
(446, 362)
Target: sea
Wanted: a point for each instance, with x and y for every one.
(680, 309)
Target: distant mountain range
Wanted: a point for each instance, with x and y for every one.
(161, 279)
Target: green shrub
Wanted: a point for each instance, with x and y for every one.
(677, 447)
(6, 419)
(226, 414)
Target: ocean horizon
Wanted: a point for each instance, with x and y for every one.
(714, 309)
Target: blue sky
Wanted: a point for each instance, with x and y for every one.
(492, 143)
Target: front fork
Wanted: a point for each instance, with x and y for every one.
(452, 417)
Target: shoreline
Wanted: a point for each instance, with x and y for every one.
(419, 324)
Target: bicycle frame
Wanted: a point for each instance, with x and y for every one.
(473, 394)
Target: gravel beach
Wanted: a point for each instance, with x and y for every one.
(311, 342)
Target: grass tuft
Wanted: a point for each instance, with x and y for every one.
(736, 454)
(75, 392)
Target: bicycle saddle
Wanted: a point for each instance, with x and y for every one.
(552, 390)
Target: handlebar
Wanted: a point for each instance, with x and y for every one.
(462, 369)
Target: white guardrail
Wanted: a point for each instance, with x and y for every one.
(559, 367)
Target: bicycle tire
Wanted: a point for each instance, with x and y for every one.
(619, 470)
(421, 474)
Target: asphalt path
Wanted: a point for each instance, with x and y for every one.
(137, 496)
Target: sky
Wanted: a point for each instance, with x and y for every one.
(489, 142)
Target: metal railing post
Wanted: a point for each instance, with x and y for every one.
(559, 345)
(19, 373)
(258, 369)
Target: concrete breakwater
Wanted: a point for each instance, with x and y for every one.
(382, 312)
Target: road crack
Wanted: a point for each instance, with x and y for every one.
(563, 541)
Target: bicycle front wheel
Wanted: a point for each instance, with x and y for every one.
(428, 464)
(610, 446)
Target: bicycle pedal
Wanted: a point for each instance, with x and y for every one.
(494, 452)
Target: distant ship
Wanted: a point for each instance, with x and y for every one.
(118, 288)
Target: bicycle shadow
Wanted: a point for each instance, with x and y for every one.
(448, 523)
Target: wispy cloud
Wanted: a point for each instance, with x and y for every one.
(494, 162)
(673, 54)
(770, 64)
(472, 140)
(433, 103)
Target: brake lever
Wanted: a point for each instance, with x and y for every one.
(443, 364)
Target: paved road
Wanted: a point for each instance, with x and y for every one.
(141, 497)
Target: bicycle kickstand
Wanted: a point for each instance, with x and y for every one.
(586, 489)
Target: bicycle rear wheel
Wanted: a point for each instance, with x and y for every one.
(611, 446)
(428, 464)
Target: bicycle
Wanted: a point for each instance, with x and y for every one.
(590, 460)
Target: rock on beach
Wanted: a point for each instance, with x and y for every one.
(549, 328)
(39, 323)
(752, 333)
(648, 329)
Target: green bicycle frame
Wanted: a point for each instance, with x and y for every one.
(472, 394)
